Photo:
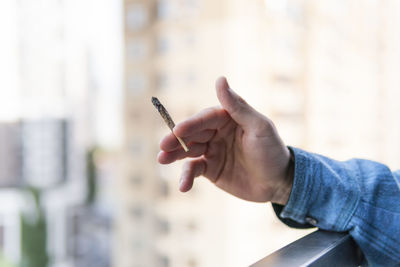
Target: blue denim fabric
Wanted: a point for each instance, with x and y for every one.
(358, 196)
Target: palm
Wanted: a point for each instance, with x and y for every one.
(242, 163)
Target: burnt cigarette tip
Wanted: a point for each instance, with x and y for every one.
(156, 103)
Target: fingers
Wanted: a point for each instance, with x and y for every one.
(208, 119)
(169, 143)
(195, 150)
(238, 109)
(191, 170)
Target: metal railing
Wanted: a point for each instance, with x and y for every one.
(320, 248)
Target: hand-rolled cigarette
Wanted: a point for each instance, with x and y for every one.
(168, 120)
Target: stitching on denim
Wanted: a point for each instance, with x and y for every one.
(378, 230)
(387, 251)
(346, 216)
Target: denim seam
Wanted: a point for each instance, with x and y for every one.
(378, 230)
(346, 214)
(378, 245)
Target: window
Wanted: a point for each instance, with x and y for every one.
(136, 147)
(163, 45)
(137, 244)
(191, 7)
(191, 226)
(164, 188)
(164, 9)
(189, 39)
(137, 180)
(191, 4)
(191, 263)
(44, 151)
(137, 212)
(190, 77)
(136, 17)
(162, 81)
(163, 226)
(136, 50)
(137, 83)
(164, 261)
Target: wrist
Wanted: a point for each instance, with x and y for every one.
(282, 192)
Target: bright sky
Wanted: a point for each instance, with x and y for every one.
(93, 33)
(8, 65)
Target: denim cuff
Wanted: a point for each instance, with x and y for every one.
(324, 193)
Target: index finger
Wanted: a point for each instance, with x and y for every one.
(208, 119)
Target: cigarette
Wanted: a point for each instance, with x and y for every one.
(168, 120)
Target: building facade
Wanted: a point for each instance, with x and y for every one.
(324, 71)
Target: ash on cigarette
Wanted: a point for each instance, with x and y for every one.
(163, 112)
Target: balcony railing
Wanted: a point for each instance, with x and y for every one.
(318, 249)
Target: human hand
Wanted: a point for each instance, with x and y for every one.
(235, 147)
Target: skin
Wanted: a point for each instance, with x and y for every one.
(235, 147)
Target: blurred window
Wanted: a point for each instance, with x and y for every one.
(282, 78)
(163, 45)
(164, 9)
(44, 151)
(137, 180)
(163, 226)
(137, 244)
(136, 50)
(189, 40)
(162, 81)
(1, 235)
(10, 154)
(137, 83)
(191, 225)
(137, 212)
(164, 188)
(136, 17)
(191, 3)
(192, 263)
(190, 77)
(191, 7)
(164, 261)
(136, 148)
(279, 7)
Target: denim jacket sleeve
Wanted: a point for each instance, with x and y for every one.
(358, 196)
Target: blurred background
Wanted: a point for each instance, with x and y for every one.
(79, 181)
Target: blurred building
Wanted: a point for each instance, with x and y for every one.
(324, 71)
(352, 51)
(44, 152)
(156, 227)
(10, 153)
(48, 99)
(34, 153)
(175, 50)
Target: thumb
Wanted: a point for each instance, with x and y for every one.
(237, 107)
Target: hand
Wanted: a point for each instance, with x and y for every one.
(235, 147)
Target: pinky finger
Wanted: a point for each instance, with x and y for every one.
(191, 170)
